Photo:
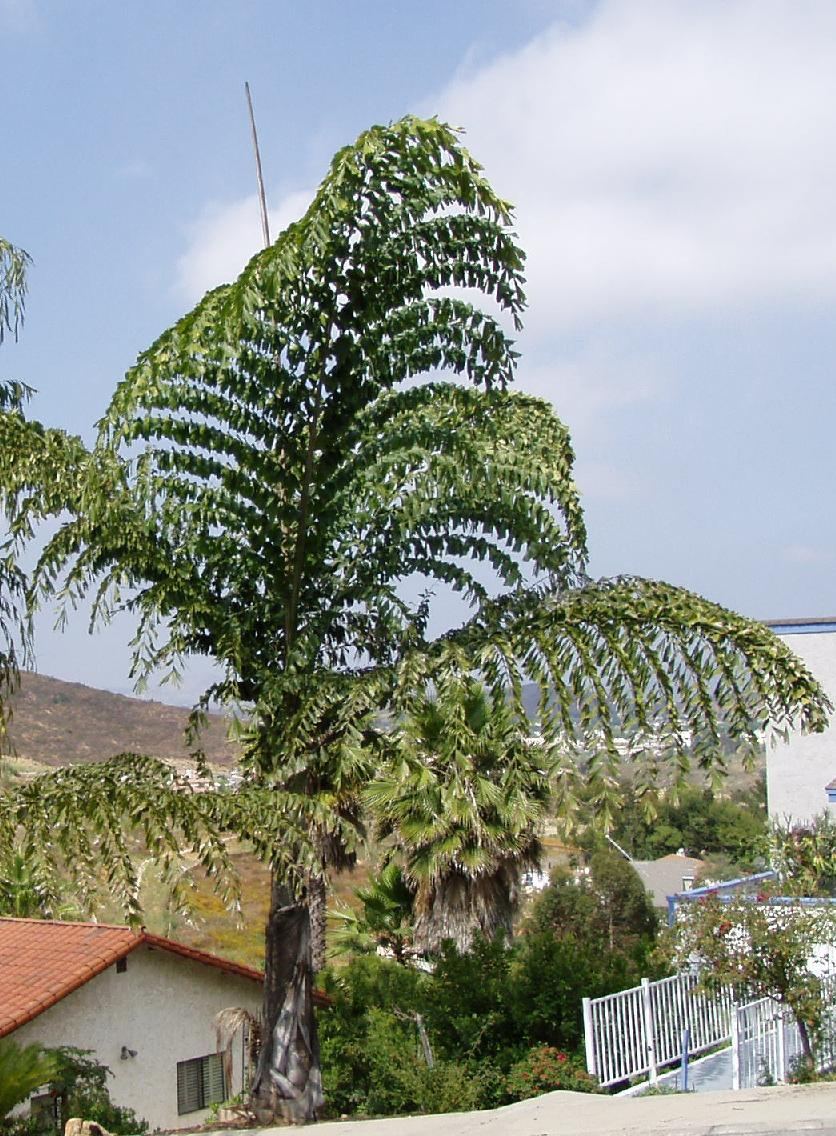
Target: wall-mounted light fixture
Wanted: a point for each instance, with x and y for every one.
(126, 1053)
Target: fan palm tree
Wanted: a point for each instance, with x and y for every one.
(384, 921)
(22, 1070)
(462, 803)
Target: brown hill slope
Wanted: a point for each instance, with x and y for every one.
(64, 723)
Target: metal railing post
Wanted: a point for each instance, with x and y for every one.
(589, 1037)
(780, 1050)
(647, 1006)
(735, 1048)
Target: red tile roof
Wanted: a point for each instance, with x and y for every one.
(42, 962)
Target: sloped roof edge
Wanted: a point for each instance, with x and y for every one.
(114, 943)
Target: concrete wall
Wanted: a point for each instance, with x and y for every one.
(162, 1006)
(797, 771)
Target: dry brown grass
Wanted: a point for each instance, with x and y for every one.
(63, 723)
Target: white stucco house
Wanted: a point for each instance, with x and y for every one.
(801, 773)
(144, 1005)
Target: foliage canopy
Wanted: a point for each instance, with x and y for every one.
(271, 472)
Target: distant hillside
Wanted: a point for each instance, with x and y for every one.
(64, 723)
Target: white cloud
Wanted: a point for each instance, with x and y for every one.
(664, 156)
(225, 237)
(667, 158)
(806, 555)
(592, 385)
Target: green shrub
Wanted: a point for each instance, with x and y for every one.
(469, 1004)
(401, 1082)
(482, 1012)
(370, 1026)
(380, 1070)
(545, 1069)
(548, 979)
(81, 1082)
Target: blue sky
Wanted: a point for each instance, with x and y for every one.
(674, 169)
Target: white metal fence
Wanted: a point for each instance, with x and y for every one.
(639, 1031)
(766, 1042)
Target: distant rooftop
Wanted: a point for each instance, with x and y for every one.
(821, 624)
(667, 875)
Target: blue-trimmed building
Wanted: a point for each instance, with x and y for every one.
(801, 773)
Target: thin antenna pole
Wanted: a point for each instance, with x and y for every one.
(265, 224)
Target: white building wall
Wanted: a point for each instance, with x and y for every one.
(162, 1006)
(798, 771)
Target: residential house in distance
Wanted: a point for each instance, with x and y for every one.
(668, 875)
(144, 1005)
(801, 773)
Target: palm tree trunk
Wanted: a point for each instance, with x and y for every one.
(288, 1080)
(317, 906)
(458, 908)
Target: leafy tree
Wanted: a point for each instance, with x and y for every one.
(462, 801)
(605, 910)
(768, 948)
(697, 820)
(469, 1005)
(80, 1086)
(38, 469)
(13, 265)
(79, 825)
(805, 855)
(28, 889)
(83, 825)
(549, 978)
(269, 473)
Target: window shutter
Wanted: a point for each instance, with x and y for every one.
(200, 1082)
(189, 1086)
(213, 1079)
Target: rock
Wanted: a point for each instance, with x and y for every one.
(75, 1126)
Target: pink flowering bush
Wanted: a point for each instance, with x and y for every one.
(545, 1069)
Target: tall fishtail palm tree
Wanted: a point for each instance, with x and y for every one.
(331, 424)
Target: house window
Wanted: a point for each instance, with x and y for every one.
(200, 1082)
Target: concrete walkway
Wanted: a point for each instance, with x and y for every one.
(775, 1111)
(710, 1074)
